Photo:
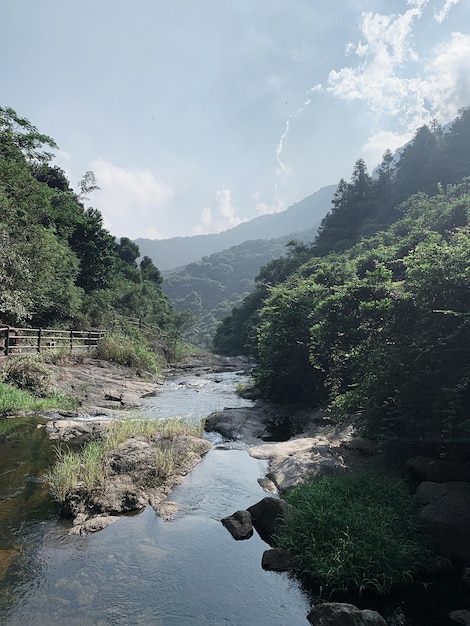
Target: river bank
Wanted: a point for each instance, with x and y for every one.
(181, 570)
(143, 468)
(322, 447)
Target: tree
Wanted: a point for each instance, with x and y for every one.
(149, 271)
(413, 169)
(87, 185)
(95, 248)
(19, 131)
(128, 251)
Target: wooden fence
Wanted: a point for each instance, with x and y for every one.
(28, 340)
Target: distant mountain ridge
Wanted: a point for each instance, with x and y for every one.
(175, 252)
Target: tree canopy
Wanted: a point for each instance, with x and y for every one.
(58, 264)
(373, 318)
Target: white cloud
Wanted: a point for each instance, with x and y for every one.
(441, 15)
(447, 85)
(264, 209)
(391, 80)
(387, 47)
(283, 171)
(225, 215)
(129, 199)
(375, 146)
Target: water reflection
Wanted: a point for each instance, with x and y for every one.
(141, 570)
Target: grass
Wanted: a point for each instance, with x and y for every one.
(127, 351)
(354, 532)
(89, 467)
(13, 400)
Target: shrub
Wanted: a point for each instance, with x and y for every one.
(353, 532)
(127, 351)
(28, 373)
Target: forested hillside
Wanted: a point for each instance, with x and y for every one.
(176, 252)
(58, 265)
(210, 288)
(374, 317)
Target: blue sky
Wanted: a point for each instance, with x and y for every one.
(196, 116)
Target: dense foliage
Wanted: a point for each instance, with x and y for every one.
(377, 325)
(353, 532)
(210, 288)
(58, 265)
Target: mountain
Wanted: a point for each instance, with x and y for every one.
(211, 287)
(175, 252)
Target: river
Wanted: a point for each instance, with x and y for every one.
(141, 570)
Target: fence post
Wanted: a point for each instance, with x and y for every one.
(89, 341)
(71, 340)
(7, 341)
(39, 339)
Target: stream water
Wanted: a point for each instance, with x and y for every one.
(145, 571)
(141, 570)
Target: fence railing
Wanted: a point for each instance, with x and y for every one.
(28, 340)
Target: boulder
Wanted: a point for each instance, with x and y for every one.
(461, 616)
(297, 460)
(239, 525)
(341, 614)
(166, 510)
(466, 576)
(267, 515)
(93, 525)
(445, 513)
(79, 430)
(423, 468)
(246, 423)
(132, 482)
(278, 560)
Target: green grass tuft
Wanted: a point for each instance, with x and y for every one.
(13, 400)
(354, 532)
(131, 352)
(89, 467)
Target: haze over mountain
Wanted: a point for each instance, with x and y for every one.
(175, 252)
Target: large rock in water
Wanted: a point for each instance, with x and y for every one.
(445, 512)
(278, 560)
(341, 614)
(267, 515)
(239, 525)
(246, 423)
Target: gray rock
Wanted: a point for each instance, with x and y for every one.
(267, 515)
(341, 614)
(166, 510)
(67, 429)
(267, 485)
(424, 468)
(466, 576)
(445, 513)
(461, 616)
(302, 458)
(93, 525)
(278, 560)
(238, 423)
(132, 482)
(239, 525)
(362, 446)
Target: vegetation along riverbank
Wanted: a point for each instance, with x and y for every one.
(362, 380)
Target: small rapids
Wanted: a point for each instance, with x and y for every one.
(142, 569)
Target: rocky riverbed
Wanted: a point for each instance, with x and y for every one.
(105, 391)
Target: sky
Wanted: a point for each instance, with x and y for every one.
(198, 115)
